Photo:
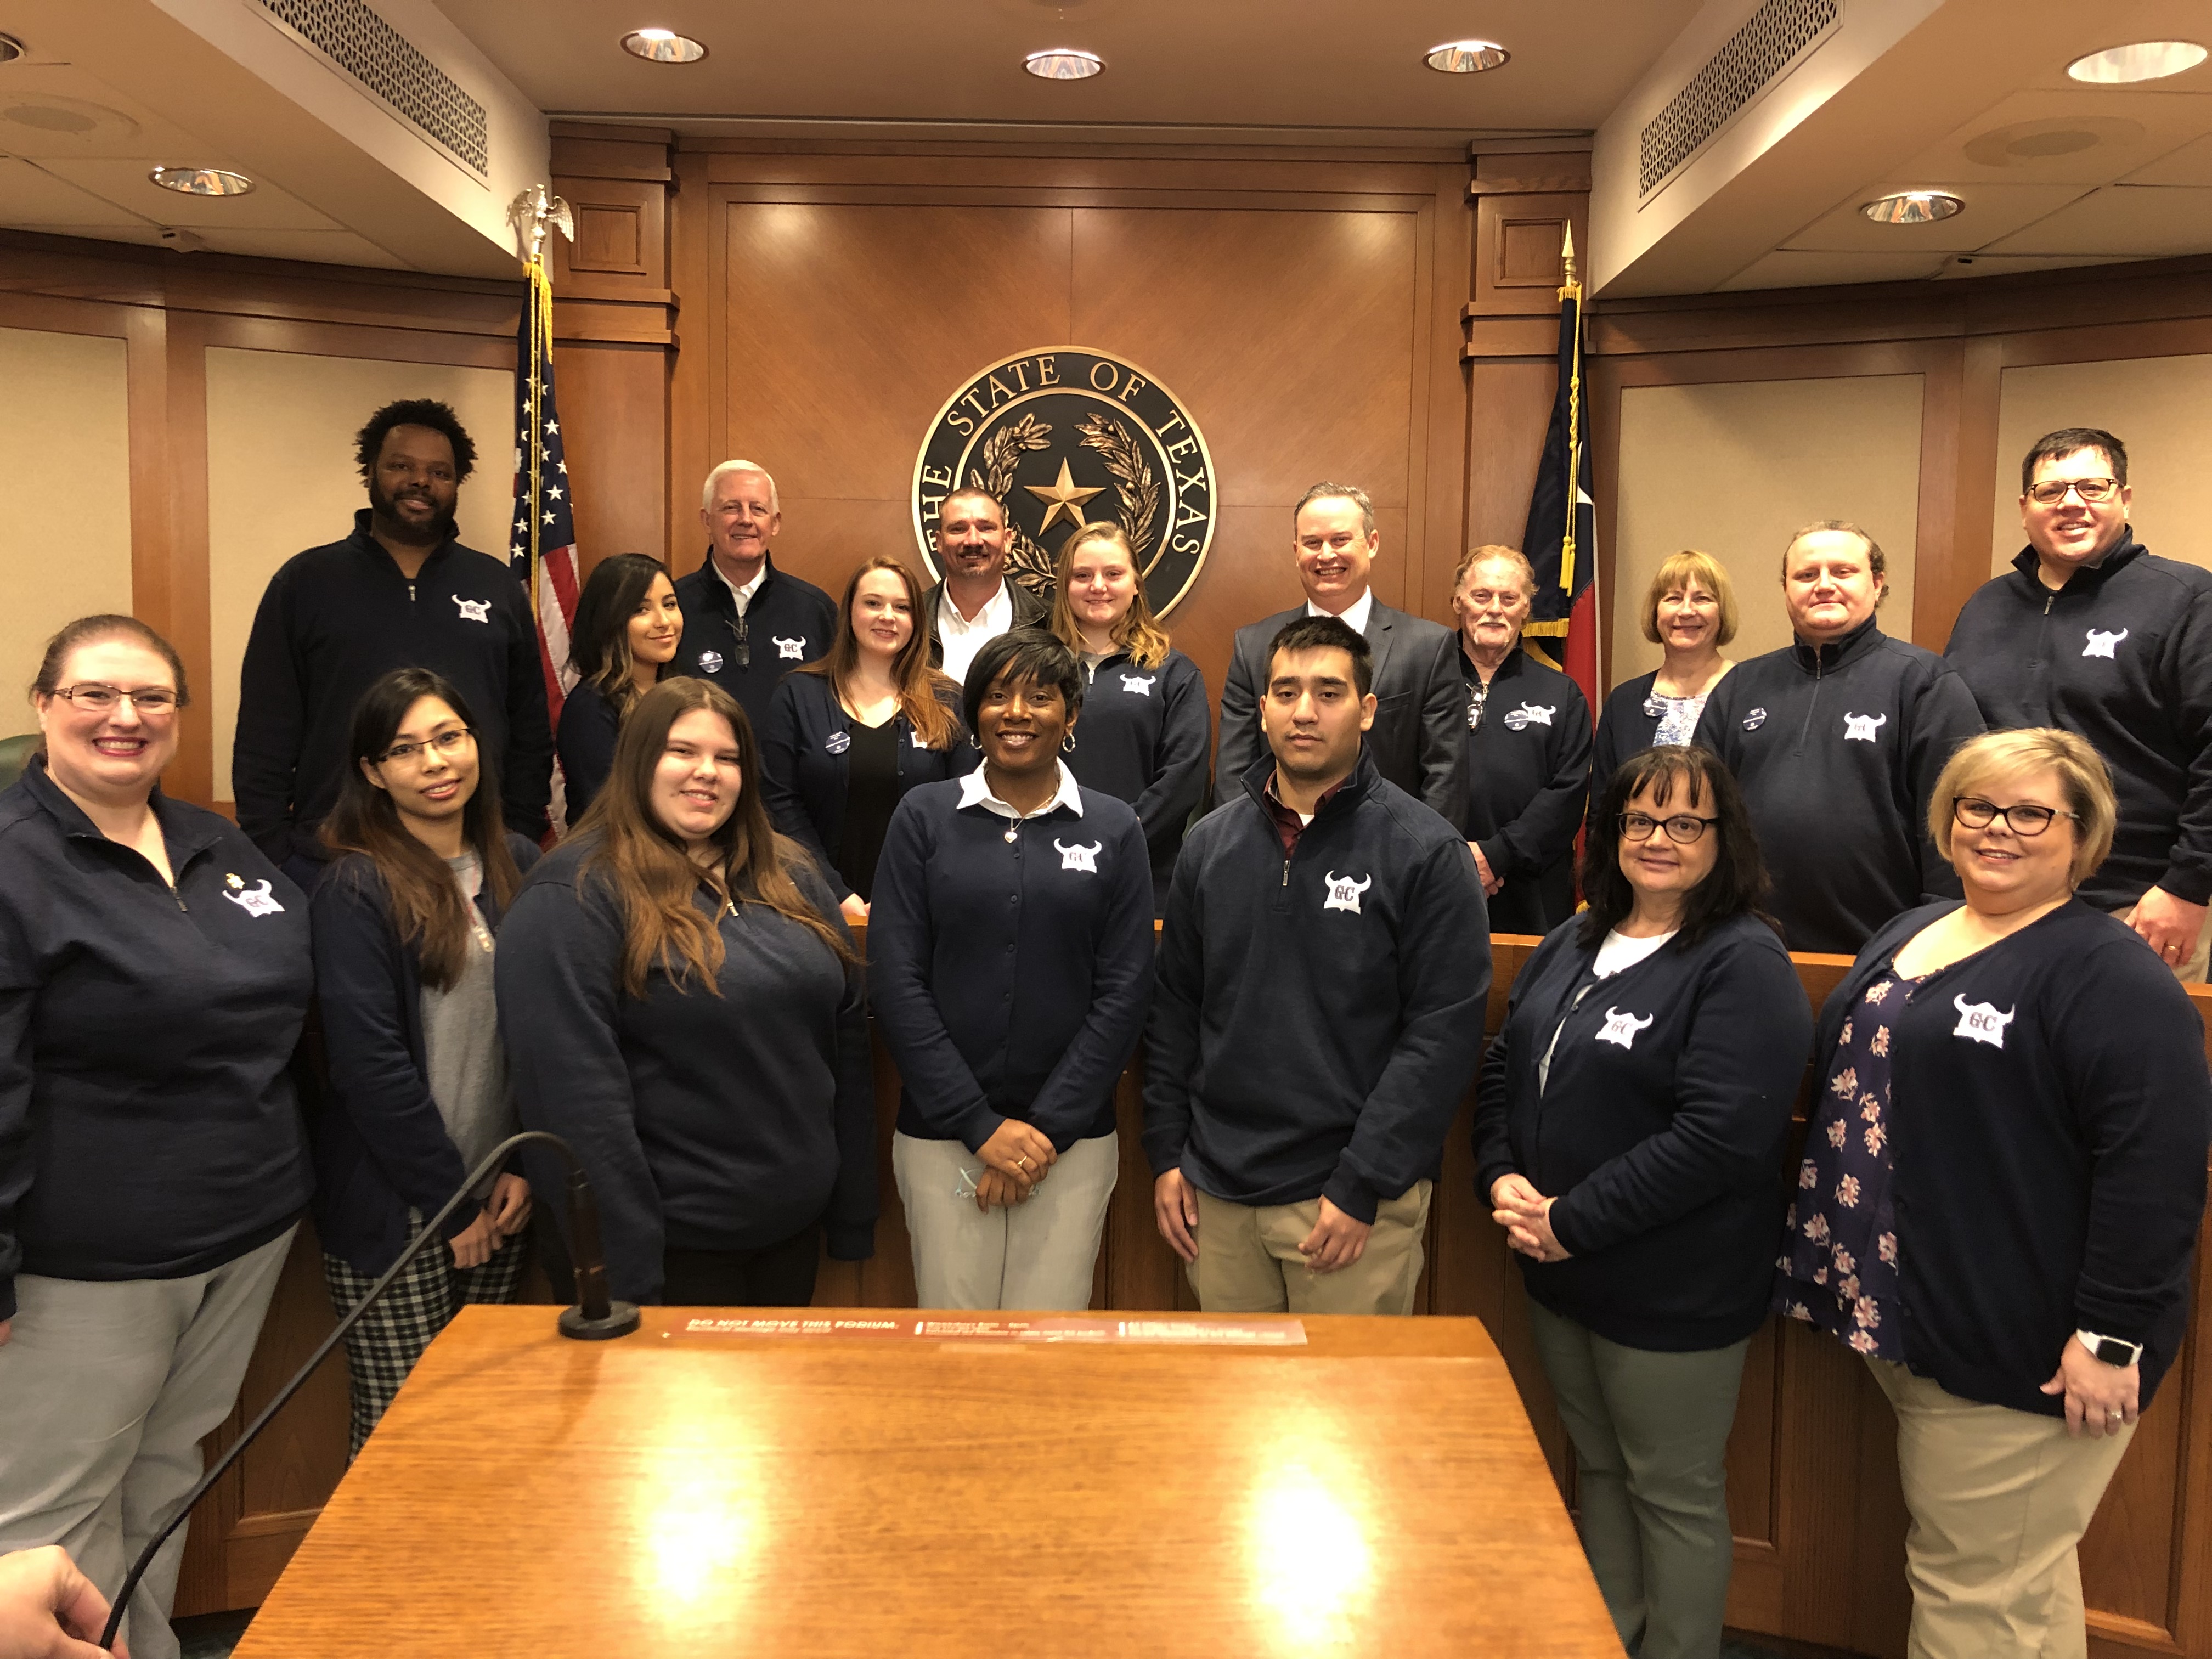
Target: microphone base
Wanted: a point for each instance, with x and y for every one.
(621, 1319)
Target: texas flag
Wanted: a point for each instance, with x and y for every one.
(1561, 537)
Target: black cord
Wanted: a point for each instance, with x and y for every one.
(430, 1235)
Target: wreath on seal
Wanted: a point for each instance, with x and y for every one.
(1136, 490)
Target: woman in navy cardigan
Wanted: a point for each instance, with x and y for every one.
(2002, 1182)
(626, 628)
(1689, 613)
(404, 922)
(1630, 1124)
(1012, 967)
(848, 734)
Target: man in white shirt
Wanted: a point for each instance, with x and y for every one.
(1421, 700)
(975, 602)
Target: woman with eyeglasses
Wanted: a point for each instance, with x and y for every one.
(627, 627)
(154, 976)
(1630, 1124)
(404, 918)
(2002, 1180)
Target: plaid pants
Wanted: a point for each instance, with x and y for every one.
(383, 1348)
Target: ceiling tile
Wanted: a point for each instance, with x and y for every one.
(30, 196)
(2000, 264)
(2189, 165)
(61, 109)
(2082, 136)
(1784, 269)
(1991, 211)
(2135, 221)
(127, 184)
(329, 247)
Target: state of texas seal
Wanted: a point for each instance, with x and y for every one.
(1063, 435)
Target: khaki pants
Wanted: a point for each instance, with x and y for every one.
(1650, 1432)
(1998, 1500)
(1039, 1254)
(1248, 1260)
(2192, 970)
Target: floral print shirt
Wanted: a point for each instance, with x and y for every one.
(1839, 1266)
(1678, 719)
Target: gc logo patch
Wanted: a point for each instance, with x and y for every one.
(1063, 435)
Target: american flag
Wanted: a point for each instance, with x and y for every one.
(543, 547)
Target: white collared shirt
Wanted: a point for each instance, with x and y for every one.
(743, 595)
(962, 639)
(975, 791)
(1353, 615)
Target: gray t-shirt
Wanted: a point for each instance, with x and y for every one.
(460, 1040)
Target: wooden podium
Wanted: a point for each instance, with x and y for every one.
(870, 1481)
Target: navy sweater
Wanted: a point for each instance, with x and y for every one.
(2122, 655)
(1837, 752)
(805, 749)
(1319, 1017)
(790, 620)
(1010, 978)
(335, 620)
(589, 726)
(1527, 772)
(1661, 1133)
(713, 1119)
(1146, 736)
(148, 1124)
(381, 1144)
(2051, 1180)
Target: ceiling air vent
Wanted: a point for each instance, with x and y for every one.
(1779, 33)
(388, 64)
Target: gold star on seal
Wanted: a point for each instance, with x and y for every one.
(1065, 496)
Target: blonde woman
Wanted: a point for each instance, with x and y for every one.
(1689, 613)
(1146, 739)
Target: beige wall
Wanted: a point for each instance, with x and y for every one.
(281, 477)
(1734, 468)
(65, 496)
(2159, 407)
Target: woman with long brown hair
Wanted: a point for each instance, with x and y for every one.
(626, 628)
(1146, 736)
(404, 923)
(682, 1003)
(849, 734)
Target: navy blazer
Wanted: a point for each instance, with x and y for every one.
(379, 1143)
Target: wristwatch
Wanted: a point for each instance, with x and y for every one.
(2111, 1349)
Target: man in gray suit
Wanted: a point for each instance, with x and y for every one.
(1421, 713)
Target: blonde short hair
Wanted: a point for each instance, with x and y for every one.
(1488, 550)
(1980, 761)
(1679, 570)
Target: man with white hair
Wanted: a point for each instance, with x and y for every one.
(747, 624)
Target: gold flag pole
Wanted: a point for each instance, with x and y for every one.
(1571, 288)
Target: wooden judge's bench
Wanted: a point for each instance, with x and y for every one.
(1813, 1485)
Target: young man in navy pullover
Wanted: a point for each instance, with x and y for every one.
(1324, 972)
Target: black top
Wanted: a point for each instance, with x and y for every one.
(336, 619)
(589, 726)
(789, 621)
(1660, 1131)
(872, 788)
(1144, 737)
(1624, 729)
(2049, 1114)
(2122, 655)
(148, 1126)
(1526, 781)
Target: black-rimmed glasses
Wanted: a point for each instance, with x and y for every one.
(2022, 817)
(444, 743)
(1682, 829)
(95, 698)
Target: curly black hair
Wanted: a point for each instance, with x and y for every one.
(369, 442)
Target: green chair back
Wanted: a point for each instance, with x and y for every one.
(15, 752)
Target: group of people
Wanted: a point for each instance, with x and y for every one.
(1007, 788)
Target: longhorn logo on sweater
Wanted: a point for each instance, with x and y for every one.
(1344, 892)
(480, 611)
(1981, 1022)
(1529, 715)
(793, 649)
(1622, 1028)
(254, 901)
(2101, 643)
(1140, 684)
(1078, 858)
(1861, 728)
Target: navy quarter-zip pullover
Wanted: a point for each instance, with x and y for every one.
(1837, 750)
(1527, 786)
(2122, 656)
(789, 621)
(1146, 736)
(336, 619)
(148, 1124)
(1319, 1016)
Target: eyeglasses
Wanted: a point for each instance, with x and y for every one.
(2021, 818)
(444, 743)
(2051, 491)
(1682, 829)
(97, 699)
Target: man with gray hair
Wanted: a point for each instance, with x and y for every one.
(747, 624)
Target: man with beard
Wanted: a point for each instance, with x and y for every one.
(398, 592)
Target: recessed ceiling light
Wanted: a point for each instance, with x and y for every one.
(203, 181)
(662, 46)
(1063, 63)
(10, 48)
(1466, 57)
(2146, 60)
(1912, 207)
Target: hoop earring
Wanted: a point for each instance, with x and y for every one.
(1067, 743)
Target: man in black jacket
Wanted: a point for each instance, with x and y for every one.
(747, 624)
(973, 602)
(1323, 971)
(1420, 703)
(2094, 634)
(398, 592)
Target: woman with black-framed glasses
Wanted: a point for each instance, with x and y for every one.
(1629, 1127)
(2001, 1189)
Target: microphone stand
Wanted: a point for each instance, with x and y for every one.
(593, 1319)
